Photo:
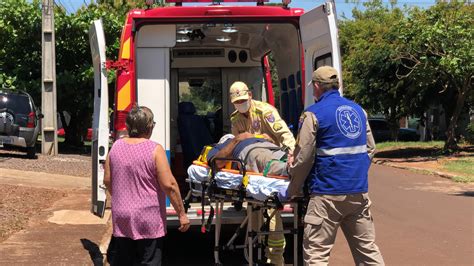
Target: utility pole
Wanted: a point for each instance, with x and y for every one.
(49, 143)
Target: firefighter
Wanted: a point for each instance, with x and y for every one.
(257, 117)
(261, 118)
(333, 153)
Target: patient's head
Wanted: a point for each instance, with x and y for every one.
(225, 138)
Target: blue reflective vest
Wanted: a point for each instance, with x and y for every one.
(342, 162)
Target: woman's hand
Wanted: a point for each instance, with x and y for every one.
(184, 221)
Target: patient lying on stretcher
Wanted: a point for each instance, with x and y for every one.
(262, 155)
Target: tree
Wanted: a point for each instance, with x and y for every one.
(435, 50)
(367, 45)
(20, 54)
(20, 46)
(74, 70)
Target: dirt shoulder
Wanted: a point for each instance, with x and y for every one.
(45, 211)
(19, 203)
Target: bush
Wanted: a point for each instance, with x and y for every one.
(470, 133)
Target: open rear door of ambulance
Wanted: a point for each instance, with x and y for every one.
(100, 122)
(320, 43)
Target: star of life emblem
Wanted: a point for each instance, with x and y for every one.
(348, 121)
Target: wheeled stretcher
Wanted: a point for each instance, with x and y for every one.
(258, 192)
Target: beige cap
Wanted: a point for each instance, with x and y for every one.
(325, 74)
(238, 91)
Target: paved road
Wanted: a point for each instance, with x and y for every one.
(419, 219)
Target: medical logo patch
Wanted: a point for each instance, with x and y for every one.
(270, 118)
(348, 121)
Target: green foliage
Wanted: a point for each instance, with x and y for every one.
(435, 49)
(399, 62)
(20, 53)
(20, 45)
(206, 98)
(470, 133)
(75, 75)
(367, 45)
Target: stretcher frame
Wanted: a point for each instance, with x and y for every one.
(253, 239)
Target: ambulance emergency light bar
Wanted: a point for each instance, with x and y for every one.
(210, 1)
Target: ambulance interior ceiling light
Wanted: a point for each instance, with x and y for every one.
(182, 38)
(230, 29)
(223, 39)
(184, 30)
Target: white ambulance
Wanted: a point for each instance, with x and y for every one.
(180, 60)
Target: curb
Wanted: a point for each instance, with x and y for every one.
(395, 165)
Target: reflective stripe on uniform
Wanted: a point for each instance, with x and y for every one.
(340, 151)
(276, 242)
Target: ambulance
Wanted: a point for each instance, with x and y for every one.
(180, 60)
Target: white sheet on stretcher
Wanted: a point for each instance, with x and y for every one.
(259, 187)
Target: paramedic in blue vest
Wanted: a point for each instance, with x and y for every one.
(258, 117)
(333, 152)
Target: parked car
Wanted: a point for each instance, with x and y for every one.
(381, 131)
(19, 121)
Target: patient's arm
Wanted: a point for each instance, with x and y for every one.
(226, 152)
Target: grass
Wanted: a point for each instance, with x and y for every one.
(459, 166)
(390, 145)
(463, 168)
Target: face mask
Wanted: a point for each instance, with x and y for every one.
(242, 107)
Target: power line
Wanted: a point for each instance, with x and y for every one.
(61, 5)
(72, 6)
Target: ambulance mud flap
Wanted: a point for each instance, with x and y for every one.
(100, 122)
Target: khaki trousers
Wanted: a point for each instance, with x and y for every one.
(276, 242)
(325, 214)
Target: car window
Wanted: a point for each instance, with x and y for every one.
(19, 104)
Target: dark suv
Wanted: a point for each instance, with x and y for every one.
(381, 131)
(19, 121)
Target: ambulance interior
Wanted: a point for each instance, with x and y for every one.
(204, 60)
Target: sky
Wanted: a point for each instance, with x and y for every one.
(342, 6)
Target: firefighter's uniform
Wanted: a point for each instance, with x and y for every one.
(263, 118)
(332, 156)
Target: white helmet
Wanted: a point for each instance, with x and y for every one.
(225, 138)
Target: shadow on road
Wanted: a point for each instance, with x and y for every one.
(465, 194)
(407, 153)
(94, 251)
